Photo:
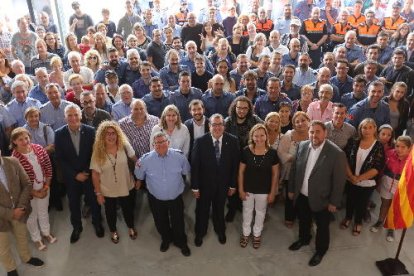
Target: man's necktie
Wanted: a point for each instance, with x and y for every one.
(217, 150)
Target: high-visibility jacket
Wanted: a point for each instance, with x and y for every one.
(367, 35)
(354, 21)
(391, 25)
(265, 27)
(314, 31)
(340, 28)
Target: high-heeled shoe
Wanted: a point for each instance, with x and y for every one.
(133, 234)
(115, 237)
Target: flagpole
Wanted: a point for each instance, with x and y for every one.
(400, 244)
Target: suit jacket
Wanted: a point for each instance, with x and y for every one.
(190, 126)
(327, 179)
(18, 193)
(72, 163)
(206, 173)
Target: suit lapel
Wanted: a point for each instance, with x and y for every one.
(9, 177)
(321, 158)
(72, 146)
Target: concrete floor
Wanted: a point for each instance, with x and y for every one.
(347, 255)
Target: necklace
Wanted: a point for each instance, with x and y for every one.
(113, 164)
(258, 159)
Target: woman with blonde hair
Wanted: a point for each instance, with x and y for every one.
(100, 46)
(366, 159)
(257, 49)
(223, 52)
(273, 127)
(93, 60)
(35, 161)
(258, 182)
(111, 176)
(177, 132)
(56, 75)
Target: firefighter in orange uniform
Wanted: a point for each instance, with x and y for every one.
(390, 23)
(357, 17)
(339, 29)
(368, 31)
(316, 33)
(264, 24)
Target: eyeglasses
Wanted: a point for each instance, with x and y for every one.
(92, 57)
(51, 38)
(217, 125)
(87, 102)
(160, 142)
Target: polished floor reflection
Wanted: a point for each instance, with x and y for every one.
(347, 255)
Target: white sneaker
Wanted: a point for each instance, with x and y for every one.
(390, 235)
(375, 227)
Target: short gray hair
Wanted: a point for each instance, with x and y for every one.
(19, 83)
(74, 54)
(73, 106)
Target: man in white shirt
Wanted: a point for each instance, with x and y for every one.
(316, 183)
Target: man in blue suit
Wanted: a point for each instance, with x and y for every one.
(74, 143)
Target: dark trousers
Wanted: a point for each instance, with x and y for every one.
(215, 199)
(290, 213)
(316, 56)
(127, 204)
(322, 219)
(356, 202)
(169, 219)
(234, 202)
(74, 191)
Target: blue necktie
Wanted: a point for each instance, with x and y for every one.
(217, 150)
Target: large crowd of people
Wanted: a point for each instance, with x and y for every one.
(309, 103)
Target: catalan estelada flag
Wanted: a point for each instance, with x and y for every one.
(401, 213)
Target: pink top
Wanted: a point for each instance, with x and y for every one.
(314, 112)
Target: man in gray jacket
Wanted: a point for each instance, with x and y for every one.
(316, 183)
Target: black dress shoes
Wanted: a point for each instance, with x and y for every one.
(75, 235)
(297, 245)
(164, 246)
(12, 273)
(99, 230)
(185, 251)
(316, 259)
(198, 241)
(35, 262)
(222, 238)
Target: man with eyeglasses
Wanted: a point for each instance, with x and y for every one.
(79, 22)
(91, 115)
(163, 169)
(214, 165)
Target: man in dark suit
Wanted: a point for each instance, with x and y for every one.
(73, 144)
(214, 165)
(316, 184)
(198, 124)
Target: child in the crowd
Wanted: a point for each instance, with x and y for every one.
(84, 46)
(386, 136)
(395, 161)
